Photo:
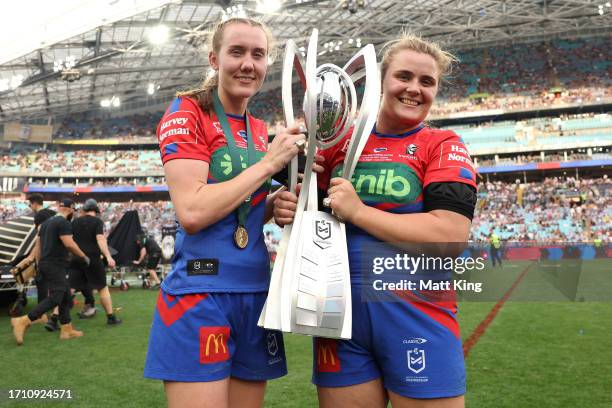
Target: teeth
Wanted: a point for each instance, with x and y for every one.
(409, 102)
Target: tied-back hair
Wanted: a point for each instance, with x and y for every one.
(411, 41)
(203, 94)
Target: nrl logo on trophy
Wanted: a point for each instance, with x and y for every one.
(313, 248)
(322, 233)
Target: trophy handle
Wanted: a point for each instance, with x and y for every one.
(369, 105)
(291, 61)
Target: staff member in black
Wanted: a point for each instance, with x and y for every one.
(148, 246)
(41, 215)
(55, 237)
(88, 231)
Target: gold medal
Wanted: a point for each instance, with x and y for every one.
(241, 237)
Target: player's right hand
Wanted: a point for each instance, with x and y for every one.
(284, 207)
(283, 147)
(86, 260)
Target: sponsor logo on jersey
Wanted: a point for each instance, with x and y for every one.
(178, 127)
(416, 360)
(385, 182)
(213, 344)
(380, 149)
(218, 127)
(454, 154)
(327, 356)
(221, 166)
(411, 149)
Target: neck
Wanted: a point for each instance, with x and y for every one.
(233, 105)
(389, 126)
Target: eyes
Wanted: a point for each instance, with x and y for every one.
(407, 76)
(239, 51)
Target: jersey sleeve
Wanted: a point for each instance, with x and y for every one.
(99, 227)
(180, 132)
(65, 228)
(449, 161)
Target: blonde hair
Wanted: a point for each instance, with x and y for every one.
(203, 94)
(410, 41)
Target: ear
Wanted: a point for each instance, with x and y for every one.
(213, 60)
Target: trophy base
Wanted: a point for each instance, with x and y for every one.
(321, 289)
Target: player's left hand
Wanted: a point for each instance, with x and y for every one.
(345, 202)
(111, 262)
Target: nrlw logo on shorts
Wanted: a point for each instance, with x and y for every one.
(386, 182)
(214, 344)
(327, 356)
(416, 360)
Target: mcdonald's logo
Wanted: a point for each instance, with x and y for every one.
(327, 355)
(214, 344)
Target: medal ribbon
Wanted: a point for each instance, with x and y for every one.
(234, 152)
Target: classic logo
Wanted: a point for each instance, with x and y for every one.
(416, 360)
(414, 340)
(385, 182)
(218, 127)
(411, 149)
(272, 344)
(327, 356)
(213, 344)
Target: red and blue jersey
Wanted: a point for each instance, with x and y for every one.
(209, 261)
(394, 170)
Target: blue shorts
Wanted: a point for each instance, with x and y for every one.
(211, 336)
(414, 346)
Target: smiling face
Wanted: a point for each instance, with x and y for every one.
(409, 87)
(241, 62)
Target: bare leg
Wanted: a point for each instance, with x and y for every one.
(367, 395)
(212, 394)
(246, 394)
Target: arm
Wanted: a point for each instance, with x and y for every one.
(103, 245)
(199, 204)
(32, 256)
(433, 226)
(143, 253)
(72, 246)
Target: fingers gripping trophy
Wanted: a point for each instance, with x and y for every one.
(310, 290)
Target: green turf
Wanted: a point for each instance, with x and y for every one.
(533, 355)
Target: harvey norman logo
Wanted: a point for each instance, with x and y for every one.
(455, 154)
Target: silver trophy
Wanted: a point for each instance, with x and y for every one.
(310, 290)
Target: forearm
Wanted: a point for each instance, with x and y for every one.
(417, 227)
(209, 203)
(74, 248)
(102, 244)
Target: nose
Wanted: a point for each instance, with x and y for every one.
(247, 64)
(412, 87)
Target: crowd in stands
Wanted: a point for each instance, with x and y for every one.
(513, 77)
(81, 161)
(555, 210)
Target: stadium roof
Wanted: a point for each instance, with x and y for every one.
(104, 51)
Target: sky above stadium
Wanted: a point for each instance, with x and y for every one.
(27, 25)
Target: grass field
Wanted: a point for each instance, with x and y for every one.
(534, 354)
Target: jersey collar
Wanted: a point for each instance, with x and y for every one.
(397, 136)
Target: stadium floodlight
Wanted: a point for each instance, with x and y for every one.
(159, 34)
(268, 6)
(151, 88)
(116, 101)
(608, 4)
